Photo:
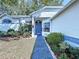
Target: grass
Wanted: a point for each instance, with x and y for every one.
(16, 49)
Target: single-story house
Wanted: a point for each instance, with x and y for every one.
(41, 22)
(58, 19)
(12, 22)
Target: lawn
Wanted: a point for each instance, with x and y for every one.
(16, 49)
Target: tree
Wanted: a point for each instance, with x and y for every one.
(9, 6)
(23, 8)
(45, 2)
(34, 6)
(52, 2)
(10, 2)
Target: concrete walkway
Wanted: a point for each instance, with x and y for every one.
(41, 50)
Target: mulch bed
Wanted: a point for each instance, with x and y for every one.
(9, 38)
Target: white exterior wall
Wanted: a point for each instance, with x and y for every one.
(68, 21)
(5, 27)
(14, 25)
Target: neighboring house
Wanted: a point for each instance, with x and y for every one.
(41, 22)
(22, 19)
(12, 22)
(5, 22)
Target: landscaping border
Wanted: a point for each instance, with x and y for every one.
(52, 53)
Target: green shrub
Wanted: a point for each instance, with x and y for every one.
(55, 38)
(63, 56)
(1, 33)
(63, 46)
(55, 49)
(24, 28)
(29, 28)
(26, 34)
(75, 52)
(11, 32)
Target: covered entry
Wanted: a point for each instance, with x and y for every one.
(38, 27)
(44, 14)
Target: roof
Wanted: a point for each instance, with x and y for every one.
(20, 16)
(44, 8)
(4, 14)
(63, 9)
(15, 17)
(47, 11)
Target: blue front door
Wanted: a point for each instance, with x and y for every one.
(38, 27)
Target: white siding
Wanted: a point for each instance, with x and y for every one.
(68, 21)
(15, 23)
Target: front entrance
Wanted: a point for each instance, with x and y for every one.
(38, 27)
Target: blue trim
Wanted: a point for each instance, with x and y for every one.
(6, 21)
(72, 39)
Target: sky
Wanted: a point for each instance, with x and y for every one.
(65, 2)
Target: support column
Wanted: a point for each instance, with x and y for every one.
(50, 25)
(33, 27)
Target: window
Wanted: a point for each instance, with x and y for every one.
(47, 27)
(7, 21)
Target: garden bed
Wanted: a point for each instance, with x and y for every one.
(61, 49)
(9, 38)
(24, 31)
